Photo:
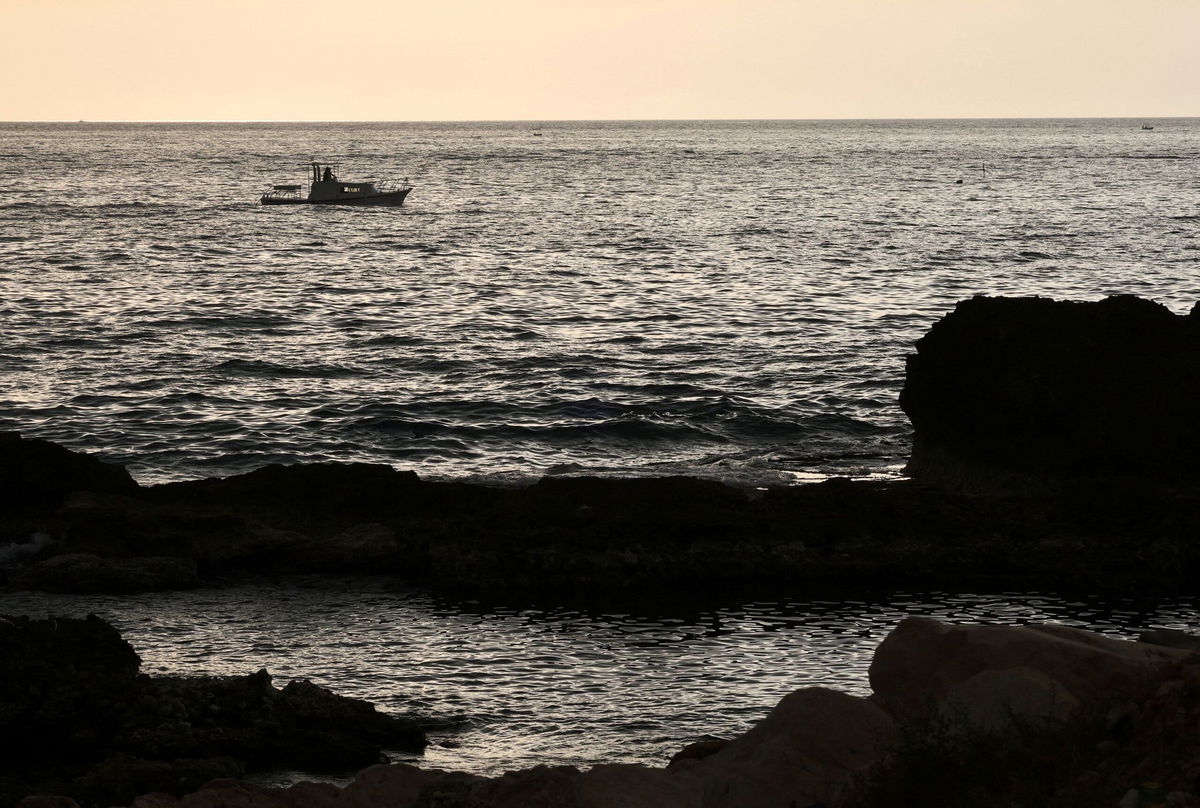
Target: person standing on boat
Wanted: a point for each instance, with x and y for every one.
(328, 175)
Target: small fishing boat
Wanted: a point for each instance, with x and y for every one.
(325, 188)
(1147, 127)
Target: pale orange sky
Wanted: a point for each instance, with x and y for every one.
(596, 59)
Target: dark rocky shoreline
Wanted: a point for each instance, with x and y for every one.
(989, 715)
(1055, 447)
(1055, 443)
(80, 720)
(591, 535)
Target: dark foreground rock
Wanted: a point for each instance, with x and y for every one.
(79, 720)
(1025, 391)
(1078, 719)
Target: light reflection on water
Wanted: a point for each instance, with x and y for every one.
(555, 684)
(722, 299)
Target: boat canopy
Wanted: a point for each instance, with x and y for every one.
(288, 187)
(324, 172)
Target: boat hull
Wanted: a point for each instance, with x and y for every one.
(388, 199)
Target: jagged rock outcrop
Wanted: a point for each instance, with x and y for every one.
(80, 720)
(1026, 391)
(814, 747)
(37, 473)
(62, 682)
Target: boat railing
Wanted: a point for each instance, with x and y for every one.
(391, 186)
(284, 191)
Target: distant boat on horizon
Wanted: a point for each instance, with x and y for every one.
(1146, 127)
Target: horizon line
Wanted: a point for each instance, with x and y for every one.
(606, 120)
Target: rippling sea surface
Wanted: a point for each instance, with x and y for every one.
(724, 299)
(555, 685)
(727, 299)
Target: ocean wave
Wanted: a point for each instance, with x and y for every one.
(36, 205)
(220, 322)
(594, 420)
(389, 340)
(1156, 156)
(272, 370)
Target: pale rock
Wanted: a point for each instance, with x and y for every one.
(394, 785)
(227, 793)
(618, 785)
(1171, 638)
(314, 795)
(539, 787)
(920, 662)
(237, 794)
(814, 745)
(47, 801)
(155, 799)
(1003, 701)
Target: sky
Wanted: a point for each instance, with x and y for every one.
(396, 60)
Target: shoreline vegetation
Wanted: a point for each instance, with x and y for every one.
(1055, 447)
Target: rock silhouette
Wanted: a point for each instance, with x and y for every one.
(1130, 713)
(1032, 390)
(81, 721)
(1076, 421)
(37, 474)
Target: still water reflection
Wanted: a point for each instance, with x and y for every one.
(517, 685)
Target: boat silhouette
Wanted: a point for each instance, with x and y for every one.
(326, 188)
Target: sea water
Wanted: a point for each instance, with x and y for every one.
(726, 299)
(513, 685)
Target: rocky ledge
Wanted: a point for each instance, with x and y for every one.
(79, 720)
(960, 715)
(606, 537)
(1055, 443)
